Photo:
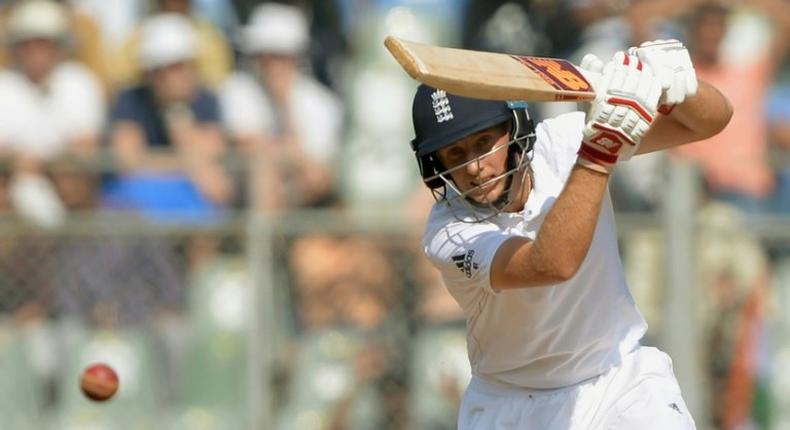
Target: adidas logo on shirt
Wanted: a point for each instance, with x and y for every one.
(465, 264)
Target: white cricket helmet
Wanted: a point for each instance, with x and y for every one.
(275, 29)
(37, 19)
(165, 39)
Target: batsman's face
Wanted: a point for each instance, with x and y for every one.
(476, 161)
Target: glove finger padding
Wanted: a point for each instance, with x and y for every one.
(592, 63)
(672, 66)
(620, 116)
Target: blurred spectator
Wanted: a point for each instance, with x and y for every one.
(37, 98)
(281, 114)
(165, 132)
(222, 14)
(213, 55)
(116, 18)
(604, 29)
(345, 373)
(376, 170)
(342, 282)
(733, 271)
(244, 8)
(778, 116)
(439, 366)
(86, 41)
(5, 201)
(329, 47)
(111, 280)
(734, 163)
(514, 27)
(732, 276)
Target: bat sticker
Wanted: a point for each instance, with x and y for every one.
(560, 74)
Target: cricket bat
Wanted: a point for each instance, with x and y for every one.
(490, 75)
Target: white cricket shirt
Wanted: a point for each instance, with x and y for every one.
(247, 109)
(538, 337)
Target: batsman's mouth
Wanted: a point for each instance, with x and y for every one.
(487, 191)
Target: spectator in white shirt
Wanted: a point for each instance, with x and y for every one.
(279, 111)
(49, 107)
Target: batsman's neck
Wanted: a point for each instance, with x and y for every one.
(520, 194)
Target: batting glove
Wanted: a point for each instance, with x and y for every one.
(671, 64)
(624, 107)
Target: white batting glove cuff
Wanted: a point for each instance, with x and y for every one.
(620, 114)
(672, 65)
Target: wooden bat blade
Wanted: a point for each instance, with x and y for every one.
(490, 75)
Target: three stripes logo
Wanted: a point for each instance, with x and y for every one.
(441, 106)
(465, 264)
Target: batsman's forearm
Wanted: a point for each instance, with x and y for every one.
(705, 113)
(562, 242)
(698, 117)
(567, 231)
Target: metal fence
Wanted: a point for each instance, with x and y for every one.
(334, 320)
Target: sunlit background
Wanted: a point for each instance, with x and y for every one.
(218, 199)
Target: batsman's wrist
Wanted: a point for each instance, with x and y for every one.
(590, 159)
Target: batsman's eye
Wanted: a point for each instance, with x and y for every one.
(454, 156)
(484, 144)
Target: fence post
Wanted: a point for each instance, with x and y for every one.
(681, 335)
(260, 259)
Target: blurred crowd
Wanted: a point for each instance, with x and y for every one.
(185, 112)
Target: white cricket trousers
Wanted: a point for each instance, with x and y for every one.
(640, 394)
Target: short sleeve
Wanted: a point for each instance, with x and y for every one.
(463, 253)
(558, 141)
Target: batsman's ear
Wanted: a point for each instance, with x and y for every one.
(430, 166)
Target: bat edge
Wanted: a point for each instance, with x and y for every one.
(405, 58)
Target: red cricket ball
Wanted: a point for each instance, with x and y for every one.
(99, 382)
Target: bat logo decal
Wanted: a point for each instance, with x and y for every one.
(560, 74)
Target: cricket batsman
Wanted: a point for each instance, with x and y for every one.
(524, 235)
